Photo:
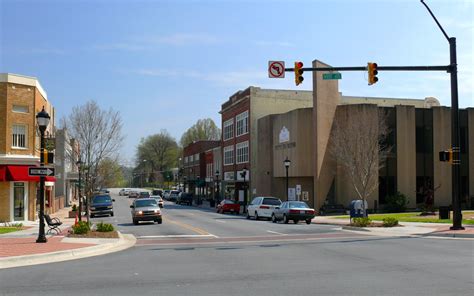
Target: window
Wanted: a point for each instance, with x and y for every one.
(185, 159)
(228, 129)
(196, 157)
(242, 123)
(20, 109)
(19, 136)
(191, 159)
(242, 152)
(228, 155)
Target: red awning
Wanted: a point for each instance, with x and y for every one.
(20, 173)
(3, 173)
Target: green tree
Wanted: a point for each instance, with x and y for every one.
(203, 129)
(110, 173)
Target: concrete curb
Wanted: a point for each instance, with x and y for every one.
(124, 242)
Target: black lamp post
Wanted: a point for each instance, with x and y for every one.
(244, 175)
(42, 118)
(184, 183)
(217, 196)
(79, 168)
(287, 163)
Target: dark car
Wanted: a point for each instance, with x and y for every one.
(293, 210)
(102, 204)
(184, 198)
(157, 192)
(144, 194)
(228, 206)
(173, 195)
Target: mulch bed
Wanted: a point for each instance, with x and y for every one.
(96, 234)
(375, 224)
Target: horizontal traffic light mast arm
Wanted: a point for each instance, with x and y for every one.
(379, 68)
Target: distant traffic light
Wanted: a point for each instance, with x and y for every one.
(446, 156)
(298, 73)
(372, 70)
(47, 157)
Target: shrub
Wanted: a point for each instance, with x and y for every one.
(105, 227)
(74, 208)
(81, 227)
(396, 203)
(390, 222)
(361, 222)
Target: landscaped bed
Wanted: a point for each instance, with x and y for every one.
(468, 217)
(96, 234)
(4, 229)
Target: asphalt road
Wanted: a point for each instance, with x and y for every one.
(198, 252)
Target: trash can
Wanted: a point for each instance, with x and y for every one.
(212, 203)
(357, 210)
(444, 212)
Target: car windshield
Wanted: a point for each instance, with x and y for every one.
(101, 199)
(271, 201)
(298, 204)
(145, 203)
(228, 201)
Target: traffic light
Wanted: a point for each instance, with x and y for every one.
(47, 157)
(298, 73)
(372, 70)
(446, 156)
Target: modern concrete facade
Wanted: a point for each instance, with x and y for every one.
(21, 98)
(67, 174)
(420, 128)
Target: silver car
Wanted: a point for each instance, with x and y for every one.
(146, 209)
(293, 210)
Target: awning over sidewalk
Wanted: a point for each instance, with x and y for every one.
(19, 173)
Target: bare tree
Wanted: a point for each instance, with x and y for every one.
(99, 134)
(358, 144)
(203, 129)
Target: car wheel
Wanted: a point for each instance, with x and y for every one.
(274, 220)
(296, 221)
(92, 216)
(248, 216)
(308, 221)
(135, 222)
(256, 216)
(160, 221)
(112, 214)
(285, 219)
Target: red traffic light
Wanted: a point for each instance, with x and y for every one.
(299, 65)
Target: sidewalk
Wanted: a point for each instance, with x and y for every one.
(19, 248)
(407, 229)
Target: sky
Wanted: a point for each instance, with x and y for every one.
(166, 64)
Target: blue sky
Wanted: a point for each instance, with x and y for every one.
(166, 64)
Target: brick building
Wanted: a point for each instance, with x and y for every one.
(21, 98)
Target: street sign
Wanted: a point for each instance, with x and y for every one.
(42, 172)
(298, 189)
(332, 76)
(276, 69)
(305, 195)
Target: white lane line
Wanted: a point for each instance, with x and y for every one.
(178, 236)
(220, 221)
(276, 232)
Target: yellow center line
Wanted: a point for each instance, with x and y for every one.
(184, 225)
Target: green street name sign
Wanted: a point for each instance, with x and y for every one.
(331, 76)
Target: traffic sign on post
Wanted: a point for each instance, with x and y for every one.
(276, 69)
(41, 172)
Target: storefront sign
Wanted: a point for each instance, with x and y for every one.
(229, 176)
(291, 194)
(241, 178)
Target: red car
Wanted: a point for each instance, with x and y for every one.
(228, 206)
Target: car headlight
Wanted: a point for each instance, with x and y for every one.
(110, 207)
(139, 212)
(92, 208)
(157, 211)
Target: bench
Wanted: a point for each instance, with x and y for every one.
(332, 209)
(53, 224)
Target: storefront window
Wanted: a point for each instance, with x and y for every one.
(19, 201)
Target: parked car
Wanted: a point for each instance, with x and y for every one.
(228, 206)
(183, 198)
(293, 210)
(124, 191)
(262, 207)
(166, 194)
(102, 204)
(144, 194)
(157, 192)
(159, 199)
(145, 209)
(173, 196)
(133, 194)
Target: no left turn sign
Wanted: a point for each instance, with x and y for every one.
(276, 69)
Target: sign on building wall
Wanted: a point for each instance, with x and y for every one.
(305, 195)
(229, 176)
(241, 178)
(284, 135)
(291, 193)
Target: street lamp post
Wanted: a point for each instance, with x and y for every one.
(244, 175)
(184, 183)
(217, 195)
(42, 118)
(79, 167)
(287, 163)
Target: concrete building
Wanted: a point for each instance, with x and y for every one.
(21, 98)
(239, 134)
(419, 130)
